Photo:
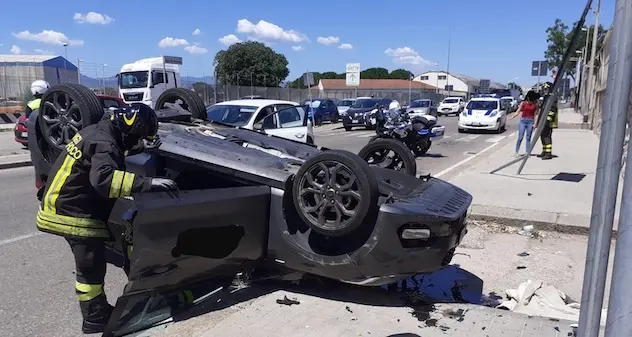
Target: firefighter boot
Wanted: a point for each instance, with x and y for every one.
(542, 154)
(547, 156)
(96, 314)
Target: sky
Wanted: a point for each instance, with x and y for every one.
(490, 39)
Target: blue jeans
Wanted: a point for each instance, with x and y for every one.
(526, 126)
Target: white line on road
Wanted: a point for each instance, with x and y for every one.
(512, 134)
(467, 138)
(495, 139)
(19, 238)
(463, 161)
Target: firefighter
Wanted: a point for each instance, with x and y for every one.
(550, 120)
(87, 178)
(38, 89)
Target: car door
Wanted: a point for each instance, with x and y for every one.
(290, 122)
(333, 110)
(186, 244)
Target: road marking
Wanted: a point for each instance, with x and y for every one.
(495, 139)
(467, 138)
(19, 238)
(511, 135)
(463, 161)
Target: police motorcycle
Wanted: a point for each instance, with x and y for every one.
(415, 132)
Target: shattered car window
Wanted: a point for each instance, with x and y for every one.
(237, 115)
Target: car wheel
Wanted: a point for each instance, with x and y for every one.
(389, 154)
(65, 109)
(347, 128)
(335, 192)
(185, 99)
(500, 127)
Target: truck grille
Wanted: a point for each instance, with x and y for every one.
(133, 97)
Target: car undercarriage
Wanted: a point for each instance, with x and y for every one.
(248, 200)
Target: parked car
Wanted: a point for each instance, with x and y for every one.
(293, 123)
(322, 109)
(250, 202)
(422, 107)
(483, 113)
(451, 106)
(513, 103)
(21, 128)
(344, 105)
(362, 112)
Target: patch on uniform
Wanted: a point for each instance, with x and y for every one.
(570, 177)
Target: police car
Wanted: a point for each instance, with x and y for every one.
(483, 113)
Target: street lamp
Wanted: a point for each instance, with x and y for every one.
(103, 74)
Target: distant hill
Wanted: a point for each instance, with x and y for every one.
(111, 81)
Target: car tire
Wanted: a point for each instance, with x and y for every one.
(309, 192)
(84, 110)
(191, 101)
(348, 128)
(404, 155)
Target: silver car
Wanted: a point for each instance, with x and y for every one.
(344, 105)
(420, 107)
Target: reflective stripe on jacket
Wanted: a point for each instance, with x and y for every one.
(34, 104)
(85, 181)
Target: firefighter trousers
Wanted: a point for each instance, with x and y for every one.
(547, 139)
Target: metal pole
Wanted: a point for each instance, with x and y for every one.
(549, 101)
(410, 88)
(447, 77)
(605, 196)
(215, 88)
(79, 71)
(103, 74)
(591, 71)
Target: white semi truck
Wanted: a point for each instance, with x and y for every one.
(144, 80)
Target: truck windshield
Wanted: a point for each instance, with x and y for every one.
(134, 79)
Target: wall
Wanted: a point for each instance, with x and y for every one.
(433, 80)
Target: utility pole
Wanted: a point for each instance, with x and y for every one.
(591, 70)
(215, 88)
(79, 71)
(447, 77)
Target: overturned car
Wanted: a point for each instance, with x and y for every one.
(250, 200)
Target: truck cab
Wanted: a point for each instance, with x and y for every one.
(144, 80)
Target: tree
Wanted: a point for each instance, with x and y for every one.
(400, 74)
(513, 85)
(375, 73)
(558, 39)
(251, 63)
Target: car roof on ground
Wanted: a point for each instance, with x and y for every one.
(256, 102)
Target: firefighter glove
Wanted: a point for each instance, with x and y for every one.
(163, 184)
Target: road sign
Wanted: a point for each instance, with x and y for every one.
(308, 79)
(353, 75)
(483, 86)
(172, 60)
(539, 68)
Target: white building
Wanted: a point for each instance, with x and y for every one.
(462, 85)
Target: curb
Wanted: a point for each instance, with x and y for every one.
(15, 164)
(540, 220)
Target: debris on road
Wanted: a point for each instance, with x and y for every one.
(523, 254)
(526, 231)
(287, 301)
(521, 267)
(349, 309)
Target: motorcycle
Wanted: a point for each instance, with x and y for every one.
(416, 132)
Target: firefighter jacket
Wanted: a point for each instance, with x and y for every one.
(551, 116)
(32, 106)
(85, 181)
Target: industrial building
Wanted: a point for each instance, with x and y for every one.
(459, 85)
(17, 72)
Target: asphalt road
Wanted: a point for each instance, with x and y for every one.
(37, 278)
(445, 156)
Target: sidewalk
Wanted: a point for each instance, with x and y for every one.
(552, 194)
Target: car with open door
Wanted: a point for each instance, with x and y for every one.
(251, 201)
(292, 122)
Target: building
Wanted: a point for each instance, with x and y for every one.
(396, 89)
(17, 72)
(462, 85)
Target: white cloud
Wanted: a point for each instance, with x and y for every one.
(298, 48)
(171, 42)
(93, 18)
(270, 32)
(43, 52)
(345, 46)
(407, 55)
(328, 40)
(197, 31)
(229, 39)
(49, 37)
(16, 50)
(195, 50)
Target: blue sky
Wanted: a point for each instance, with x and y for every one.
(490, 39)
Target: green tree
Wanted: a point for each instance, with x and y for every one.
(400, 74)
(249, 63)
(375, 73)
(513, 85)
(558, 39)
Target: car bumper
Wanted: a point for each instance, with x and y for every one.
(358, 121)
(447, 111)
(486, 124)
(21, 136)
